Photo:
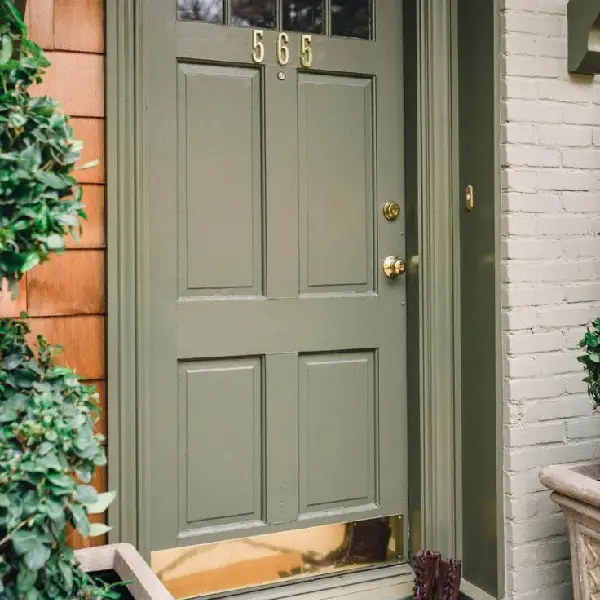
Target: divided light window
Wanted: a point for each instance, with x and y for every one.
(344, 18)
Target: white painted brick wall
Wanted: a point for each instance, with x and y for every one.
(551, 283)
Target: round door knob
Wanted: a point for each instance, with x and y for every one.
(393, 266)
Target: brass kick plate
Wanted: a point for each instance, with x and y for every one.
(275, 558)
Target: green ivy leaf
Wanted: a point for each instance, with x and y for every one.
(6, 50)
(24, 540)
(36, 557)
(102, 503)
(86, 494)
(97, 529)
(30, 261)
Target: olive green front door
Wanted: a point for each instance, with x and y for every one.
(274, 395)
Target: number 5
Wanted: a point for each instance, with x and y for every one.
(258, 46)
(306, 53)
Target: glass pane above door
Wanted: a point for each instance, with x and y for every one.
(352, 18)
(209, 11)
(254, 13)
(305, 16)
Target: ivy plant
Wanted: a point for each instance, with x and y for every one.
(48, 455)
(590, 357)
(40, 202)
(49, 450)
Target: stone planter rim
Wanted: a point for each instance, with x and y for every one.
(579, 481)
(129, 565)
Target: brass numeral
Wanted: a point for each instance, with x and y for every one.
(306, 53)
(283, 49)
(258, 46)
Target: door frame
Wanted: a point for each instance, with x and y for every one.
(438, 252)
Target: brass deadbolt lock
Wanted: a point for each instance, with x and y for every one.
(393, 267)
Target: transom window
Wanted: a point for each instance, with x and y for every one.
(344, 18)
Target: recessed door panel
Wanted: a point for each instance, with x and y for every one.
(220, 195)
(335, 122)
(337, 431)
(220, 424)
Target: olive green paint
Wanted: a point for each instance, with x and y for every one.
(122, 262)
(476, 60)
(263, 212)
(411, 178)
(583, 21)
(436, 276)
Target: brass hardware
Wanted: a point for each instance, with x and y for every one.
(283, 50)
(469, 198)
(258, 45)
(217, 567)
(306, 53)
(393, 266)
(391, 211)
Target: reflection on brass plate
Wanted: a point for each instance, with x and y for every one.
(269, 559)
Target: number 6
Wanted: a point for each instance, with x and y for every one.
(258, 46)
(283, 51)
(306, 53)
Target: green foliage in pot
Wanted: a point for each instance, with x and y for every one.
(590, 358)
(48, 448)
(39, 200)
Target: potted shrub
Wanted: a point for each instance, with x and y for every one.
(48, 448)
(576, 488)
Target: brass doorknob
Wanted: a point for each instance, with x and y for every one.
(393, 266)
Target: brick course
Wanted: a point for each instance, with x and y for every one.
(551, 263)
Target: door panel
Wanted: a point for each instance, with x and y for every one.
(275, 396)
(220, 180)
(331, 386)
(221, 414)
(335, 123)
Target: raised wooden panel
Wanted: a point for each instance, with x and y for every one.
(82, 338)
(68, 284)
(91, 133)
(13, 307)
(220, 179)
(79, 25)
(336, 183)
(220, 430)
(93, 233)
(337, 430)
(76, 80)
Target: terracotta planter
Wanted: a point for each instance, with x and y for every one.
(576, 489)
(126, 561)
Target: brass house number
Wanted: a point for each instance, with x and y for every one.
(282, 48)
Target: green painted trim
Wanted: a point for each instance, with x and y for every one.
(500, 532)
(583, 19)
(121, 267)
(436, 265)
(456, 281)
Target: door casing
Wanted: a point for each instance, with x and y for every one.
(438, 245)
